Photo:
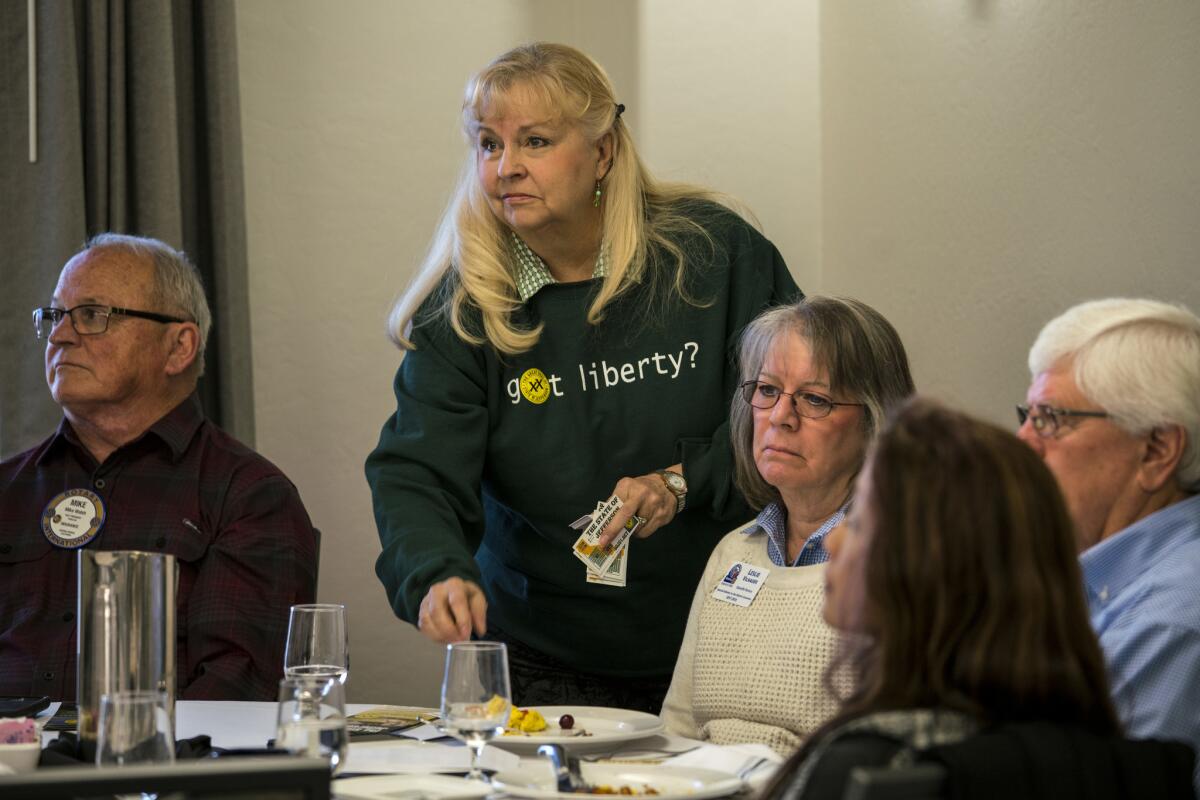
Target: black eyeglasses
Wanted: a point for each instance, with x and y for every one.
(1047, 420)
(806, 404)
(88, 319)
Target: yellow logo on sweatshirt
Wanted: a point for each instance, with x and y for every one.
(535, 386)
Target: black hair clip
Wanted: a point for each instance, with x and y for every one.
(620, 110)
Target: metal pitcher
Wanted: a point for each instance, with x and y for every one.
(126, 635)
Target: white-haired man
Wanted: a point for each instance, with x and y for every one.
(125, 334)
(1114, 410)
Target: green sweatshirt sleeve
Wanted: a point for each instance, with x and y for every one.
(425, 472)
(758, 279)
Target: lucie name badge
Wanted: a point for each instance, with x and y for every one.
(73, 518)
(741, 584)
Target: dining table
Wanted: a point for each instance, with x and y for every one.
(624, 747)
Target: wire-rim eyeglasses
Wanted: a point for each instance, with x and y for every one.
(811, 405)
(1047, 420)
(89, 319)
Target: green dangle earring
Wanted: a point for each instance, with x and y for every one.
(596, 197)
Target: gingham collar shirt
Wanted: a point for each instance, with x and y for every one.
(531, 273)
(243, 543)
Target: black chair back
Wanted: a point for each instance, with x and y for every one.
(916, 782)
(1036, 760)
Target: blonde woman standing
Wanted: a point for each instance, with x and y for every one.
(567, 339)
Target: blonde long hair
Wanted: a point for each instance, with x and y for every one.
(467, 263)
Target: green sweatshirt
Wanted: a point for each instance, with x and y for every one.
(488, 459)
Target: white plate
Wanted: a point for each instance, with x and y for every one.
(672, 783)
(396, 787)
(606, 726)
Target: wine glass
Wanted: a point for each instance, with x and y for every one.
(475, 695)
(316, 642)
(312, 719)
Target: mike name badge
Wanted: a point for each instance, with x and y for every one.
(73, 518)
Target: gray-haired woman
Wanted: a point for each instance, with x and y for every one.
(818, 377)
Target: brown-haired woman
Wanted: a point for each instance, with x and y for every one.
(957, 572)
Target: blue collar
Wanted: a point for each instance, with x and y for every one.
(1110, 566)
(772, 521)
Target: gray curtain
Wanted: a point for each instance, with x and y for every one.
(138, 131)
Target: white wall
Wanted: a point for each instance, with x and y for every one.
(988, 164)
(730, 99)
(969, 167)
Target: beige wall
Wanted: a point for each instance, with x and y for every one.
(987, 164)
(730, 99)
(968, 167)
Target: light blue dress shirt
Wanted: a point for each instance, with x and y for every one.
(1143, 591)
(772, 520)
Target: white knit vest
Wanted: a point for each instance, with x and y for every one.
(754, 674)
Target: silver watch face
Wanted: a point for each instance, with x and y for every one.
(674, 481)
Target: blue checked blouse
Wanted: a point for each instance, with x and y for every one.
(772, 520)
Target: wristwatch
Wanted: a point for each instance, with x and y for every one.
(676, 485)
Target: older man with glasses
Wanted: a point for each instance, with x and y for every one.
(1114, 410)
(125, 334)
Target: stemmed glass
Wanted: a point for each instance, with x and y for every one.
(316, 642)
(475, 695)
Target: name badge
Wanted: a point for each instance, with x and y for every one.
(73, 518)
(741, 584)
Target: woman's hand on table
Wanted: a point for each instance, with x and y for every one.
(451, 610)
(646, 496)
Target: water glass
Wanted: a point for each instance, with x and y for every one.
(316, 642)
(312, 719)
(134, 728)
(475, 695)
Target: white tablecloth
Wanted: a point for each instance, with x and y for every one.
(233, 723)
(251, 724)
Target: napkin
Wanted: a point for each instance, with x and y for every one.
(753, 763)
(426, 732)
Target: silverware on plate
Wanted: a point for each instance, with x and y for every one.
(566, 768)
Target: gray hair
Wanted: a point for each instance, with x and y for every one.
(853, 343)
(177, 285)
(1137, 359)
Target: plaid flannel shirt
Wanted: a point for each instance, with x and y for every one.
(244, 543)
